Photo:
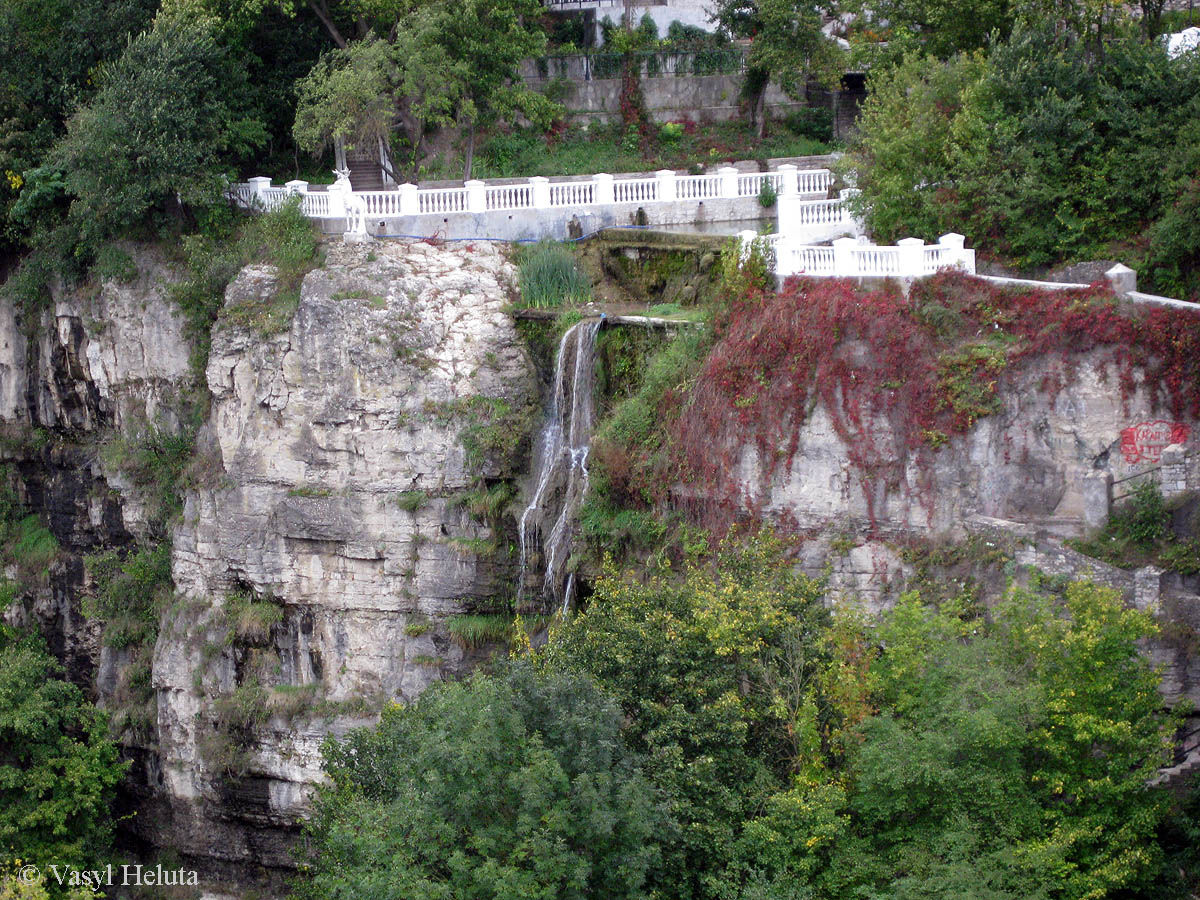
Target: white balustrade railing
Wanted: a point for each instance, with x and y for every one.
(442, 200)
(510, 196)
(850, 258)
(541, 193)
(572, 193)
(635, 190)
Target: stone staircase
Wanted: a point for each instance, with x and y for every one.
(365, 171)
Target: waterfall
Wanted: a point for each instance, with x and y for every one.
(561, 473)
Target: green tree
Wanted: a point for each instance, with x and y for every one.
(723, 676)
(509, 787)
(160, 130)
(1010, 755)
(49, 50)
(1040, 153)
(58, 769)
(787, 46)
(439, 64)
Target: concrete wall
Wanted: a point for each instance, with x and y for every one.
(703, 98)
(564, 222)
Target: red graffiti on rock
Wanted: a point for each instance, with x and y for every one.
(1145, 441)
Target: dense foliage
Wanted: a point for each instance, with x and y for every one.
(945, 750)
(508, 787)
(1042, 151)
(58, 770)
(439, 64)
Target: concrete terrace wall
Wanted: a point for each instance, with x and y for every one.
(703, 98)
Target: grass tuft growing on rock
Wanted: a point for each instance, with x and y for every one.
(550, 277)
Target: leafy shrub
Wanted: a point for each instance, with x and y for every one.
(767, 195)
(811, 122)
(518, 785)
(58, 769)
(114, 263)
(550, 277)
(129, 593)
(670, 132)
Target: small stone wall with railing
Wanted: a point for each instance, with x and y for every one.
(545, 208)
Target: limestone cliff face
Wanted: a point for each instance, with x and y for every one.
(1026, 464)
(324, 494)
(88, 364)
(336, 448)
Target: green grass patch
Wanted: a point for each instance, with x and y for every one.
(485, 502)
(474, 631)
(156, 459)
(550, 277)
(411, 501)
(250, 619)
(309, 490)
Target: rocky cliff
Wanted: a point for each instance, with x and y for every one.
(342, 504)
(324, 543)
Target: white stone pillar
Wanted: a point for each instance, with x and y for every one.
(260, 184)
(912, 257)
(1122, 279)
(476, 196)
(666, 184)
(843, 257)
(953, 241)
(410, 201)
(1097, 499)
(787, 180)
(604, 188)
(337, 202)
(729, 181)
(787, 215)
(296, 187)
(745, 239)
(540, 192)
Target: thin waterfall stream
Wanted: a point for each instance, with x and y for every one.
(561, 472)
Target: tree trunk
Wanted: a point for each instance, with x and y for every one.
(470, 152)
(760, 113)
(321, 8)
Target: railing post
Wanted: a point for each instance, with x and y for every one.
(666, 184)
(476, 196)
(296, 187)
(912, 257)
(843, 258)
(1097, 490)
(729, 181)
(540, 192)
(260, 184)
(953, 242)
(1173, 474)
(848, 217)
(787, 214)
(410, 200)
(1122, 279)
(605, 193)
(787, 180)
